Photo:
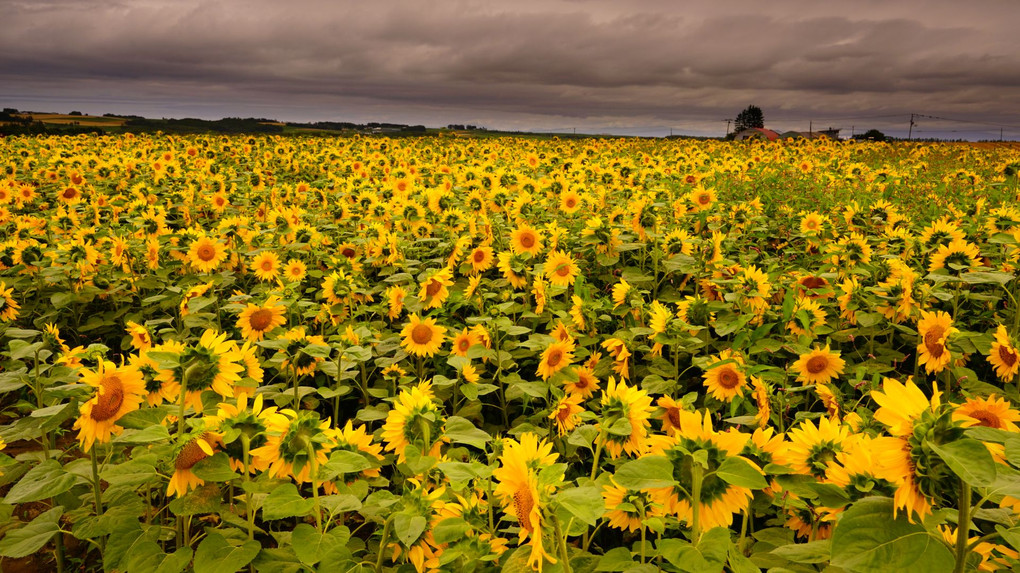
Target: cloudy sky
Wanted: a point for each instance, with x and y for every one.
(594, 66)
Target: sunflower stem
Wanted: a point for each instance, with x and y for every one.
(297, 399)
(598, 451)
(249, 514)
(561, 544)
(697, 476)
(315, 487)
(382, 545)
(963, 527)
(95, 481)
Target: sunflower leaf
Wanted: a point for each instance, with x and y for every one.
(216, 555)
(645, 473)
(43, 481)
(969, 459)
(868, 539)
(285, 501)
(31, 538)
(739, 472)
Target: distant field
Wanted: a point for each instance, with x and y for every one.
(85, 120)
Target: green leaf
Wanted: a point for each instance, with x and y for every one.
(618, 559)
(216, 555)
(969, 459)
(285, 501)
(739, 472)
(41, 482)
(462, 431)
(585, 503)
(461, 472)
(31, 538)
(450, 530)
(808, 553)
(708, 557)
(408, 527)
(344, 462)
(311, 546)
(867, 539)
(645, 473)
(156, 433)
(215, 468)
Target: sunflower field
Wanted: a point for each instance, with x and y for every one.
(284, 354)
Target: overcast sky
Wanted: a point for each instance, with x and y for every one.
(597, 66)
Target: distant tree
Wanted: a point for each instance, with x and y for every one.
(871, 135)
(750, 117)
(75, 113)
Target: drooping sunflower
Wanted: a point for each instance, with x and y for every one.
(140, 337)
(297, 359)
(934, 328)
(434, 289)
(257, 320)
(237, 422)
(8, 306)
(555, 357)
(512, 268)
(671, 415)
(819, 366)
(577, 312)
(266, 266)
(422, 337)
(206, 254)
(725, 381)
(622, 402)
(561, 269)
(395, 296)
(659, 317)
(1003, 355)
(620, 291)
(297, 445)
(811, 448)
(193, 293)
(353, 439)
(523, 496)
(808, 315)
(626, 508)
(189, 453)
(524, 239)
(118, 391)
(621, 356)
(414, 419)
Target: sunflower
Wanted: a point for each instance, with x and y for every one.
(206, 254)
(297, 445)
(190, 453)
(236, 423)
(297, 359)
(561, 269)
(555, 357)
(211, 364)
(512, 269)
(761, 397)
(811, 448)
(959, 253)
(353, 439)
(626, 508)
(585, 385)
(659, 317)
(807, 316)
(434, 289)
(395, 296)
(414, 419)
(481, 259)
(140, 337)
(812, 223)
(192, 293)
(118, 391)
(422, 337)
(566, 413)
(266, 266)
(570, 202)
(524, 239)
(934, 328)
(577, 312)
(702, 198)
(819, 366)
(725, 381)
(622, 403)
(621, 356)
(990, 412)
(940, 233)
(620, 291)
(1003, 355)
(255, 321)
(523, 496)
(295, 270)
(8, 306)
(718, 500)
(671, 414)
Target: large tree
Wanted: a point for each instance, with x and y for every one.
(750, 117)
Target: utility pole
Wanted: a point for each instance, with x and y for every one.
(810, 128)
(910, 132)
(852, 133)
(728, 122)
(1000, 134)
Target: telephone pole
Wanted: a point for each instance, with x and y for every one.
(910, 132)
(728, 122)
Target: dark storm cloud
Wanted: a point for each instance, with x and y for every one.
(527, 64)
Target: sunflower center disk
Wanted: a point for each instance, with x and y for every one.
(933, 341)
(111, 396)
(261, 319)
(729, 378)
(421, 334)
(1007, 356)
(817, 364)
(190, 455)
(523, 503)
